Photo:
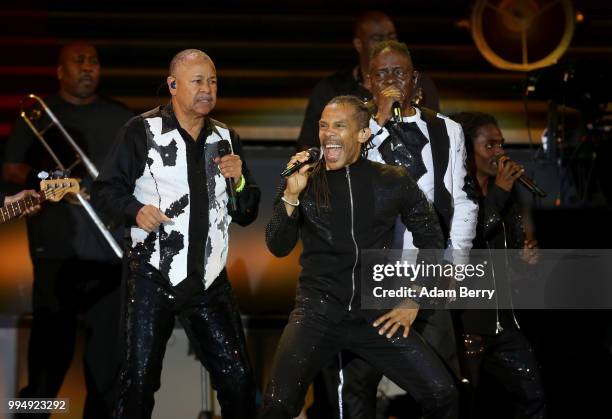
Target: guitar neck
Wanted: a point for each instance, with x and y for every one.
(15, 209)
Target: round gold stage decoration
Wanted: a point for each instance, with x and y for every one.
(522, 35)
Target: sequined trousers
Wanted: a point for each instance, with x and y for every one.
(508, 358)
(212, 323)
(312, 339)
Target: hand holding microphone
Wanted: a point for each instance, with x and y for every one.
(509, 172)
(301, 159)
(296, 174)
(230, 166)
(389, 105)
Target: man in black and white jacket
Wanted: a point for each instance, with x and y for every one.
(167, 178)
(432, 148)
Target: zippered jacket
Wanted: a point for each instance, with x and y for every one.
(365, 200)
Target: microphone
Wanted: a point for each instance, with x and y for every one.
(526, 182)
(314, 154)
(224, 148)
(396, 110)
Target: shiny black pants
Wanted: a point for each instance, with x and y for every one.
(310, 340)
(64, 292)
(212, 323)
(509, 359)
(361, 379)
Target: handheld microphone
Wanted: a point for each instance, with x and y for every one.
(313, 155)
(526, 182)
(224, 148)
(396, 110)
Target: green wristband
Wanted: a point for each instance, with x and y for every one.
(241, 184)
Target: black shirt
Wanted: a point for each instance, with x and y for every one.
(62, 230)
(198, 218)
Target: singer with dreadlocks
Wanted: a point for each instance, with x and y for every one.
(346, 204)
(494, 344)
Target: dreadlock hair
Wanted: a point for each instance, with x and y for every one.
(317, 185)
(470, 123)
(362, 112)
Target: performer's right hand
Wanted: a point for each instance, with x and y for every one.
(508, 172)
(297, 181)
(150, 217)
(384, 101)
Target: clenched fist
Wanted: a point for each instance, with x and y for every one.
(149, 218)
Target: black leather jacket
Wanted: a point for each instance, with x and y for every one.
(365, 200)
(500, 220)
(501, 225)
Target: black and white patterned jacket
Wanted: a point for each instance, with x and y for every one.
(148, 165)
(442, 176)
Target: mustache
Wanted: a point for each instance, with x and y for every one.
(203, 97)
(86, 77)
(331, 142)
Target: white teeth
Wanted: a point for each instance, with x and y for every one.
(333, 146)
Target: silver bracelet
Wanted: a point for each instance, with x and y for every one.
(290, 203)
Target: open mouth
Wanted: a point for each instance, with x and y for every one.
(332, 151)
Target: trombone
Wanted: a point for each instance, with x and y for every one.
(30, 117)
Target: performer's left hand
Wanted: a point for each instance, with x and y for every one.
(230, 166)
(391, 321)
(530, 252)
(21, 195)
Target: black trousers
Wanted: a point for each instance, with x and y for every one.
(212, 323)
(509, 359)
(311, 340)
(63, 291)
(361, 379)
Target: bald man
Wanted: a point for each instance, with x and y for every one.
(370, 28)
(75, 271)
(177, 191)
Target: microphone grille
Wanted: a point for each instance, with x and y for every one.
(314, 154)
(224, 148)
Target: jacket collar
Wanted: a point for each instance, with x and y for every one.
(356, 164)
(169, 121)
